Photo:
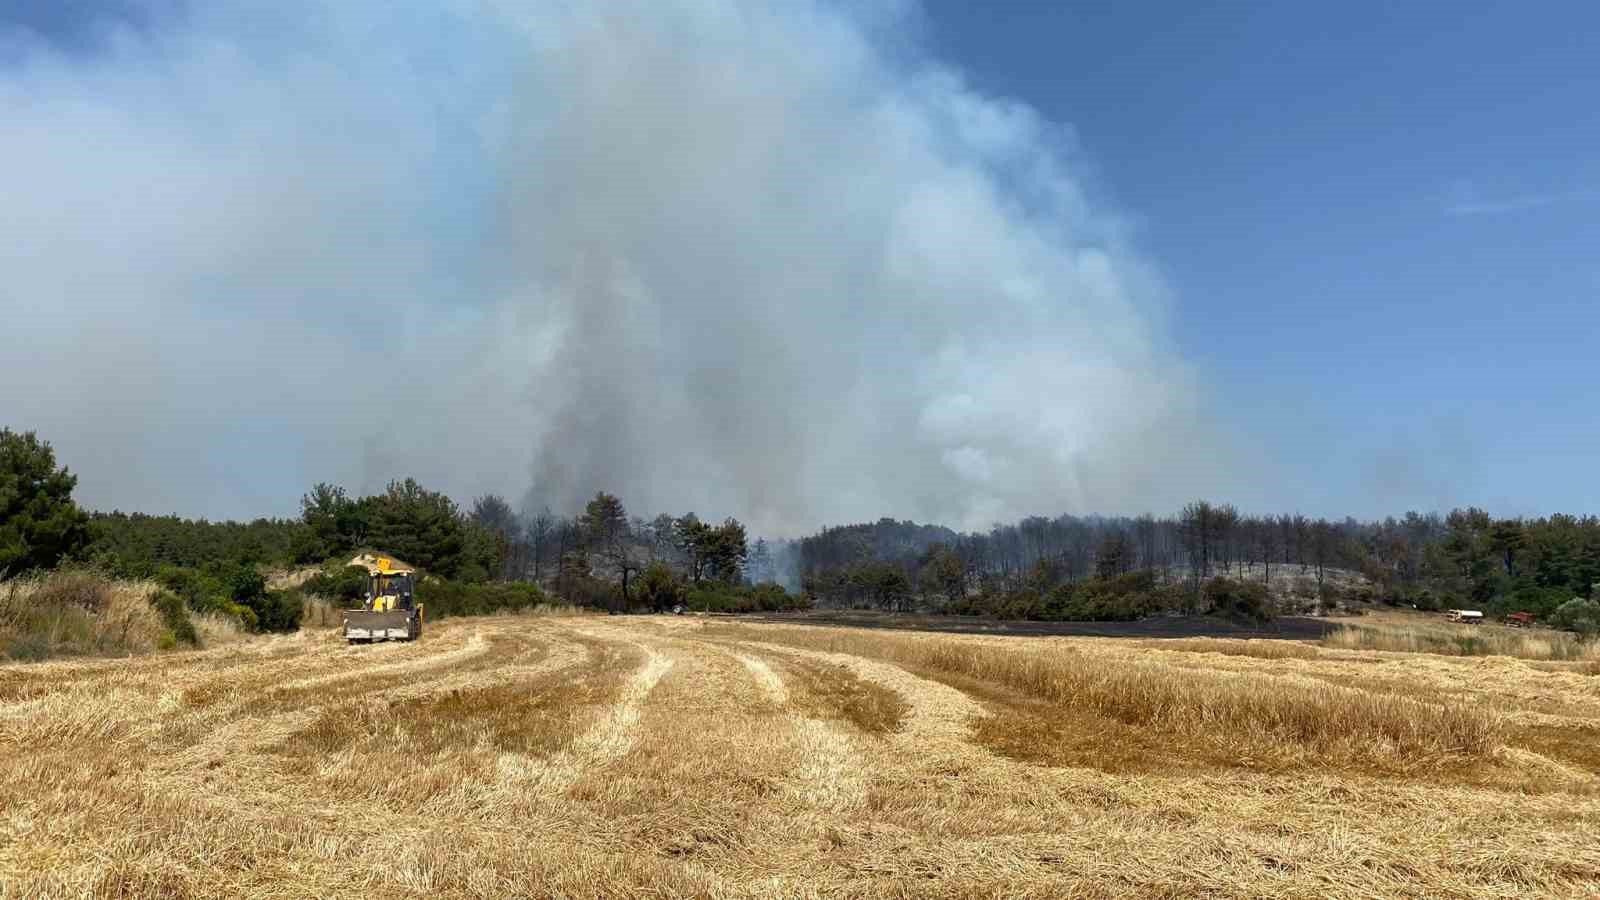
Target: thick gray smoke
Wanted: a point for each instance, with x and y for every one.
(760, 259)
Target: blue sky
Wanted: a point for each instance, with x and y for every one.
(1378, 226)
(1381, 222)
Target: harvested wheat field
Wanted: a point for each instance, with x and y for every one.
(649, 757)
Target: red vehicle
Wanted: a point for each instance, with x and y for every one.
(1520, 619)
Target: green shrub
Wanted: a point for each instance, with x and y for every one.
(659, 588)
(582, 589)
(346, 585)
(176, 617)
(246, 616)
(716, 596)
(243, 582)
(772, 597)
(1120, 598)
(442, 598)
(31, 647)
(711, 596)
(276, 610)
(1541, 601)
(1578, 614)
(1123, 598)
(1237, 599)
(234, 589)
(201, 592)
(1421, 598)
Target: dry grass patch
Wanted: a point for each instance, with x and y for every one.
(319, 612)
(217, 630)
(530, 719)
(533, 718)
(1578, 747)
(1464, 640)
(1260, 649)
(1252, 713)
(77, 613)
(666, 759)
(831, 691)
(348, 673)
(1059, 734)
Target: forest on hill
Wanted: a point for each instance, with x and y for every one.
(1431, 561)
(487, 555)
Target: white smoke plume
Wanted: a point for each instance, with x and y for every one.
(765, 259)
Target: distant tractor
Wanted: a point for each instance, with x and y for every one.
(1520, 620)
(1466, 616)
(389, 611)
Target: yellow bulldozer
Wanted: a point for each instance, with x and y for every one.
(389, 611)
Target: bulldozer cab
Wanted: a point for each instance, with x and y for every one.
(390, 591)
(391, 584)
(390, 610)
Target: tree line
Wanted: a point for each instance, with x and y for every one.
(1463, 558)
(1065, 566)
(599, 557)
(604, 557)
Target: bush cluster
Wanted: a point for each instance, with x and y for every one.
(717, 596)
(345, 585)
(659, 588)
(1120, 598)
(1116, 599)
(579, 588)
(233, 589)
(176, 616)
(1578, 614)
(442, 599)
(1248, 600)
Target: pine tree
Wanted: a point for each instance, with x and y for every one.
(39, 522)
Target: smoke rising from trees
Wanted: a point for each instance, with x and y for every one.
(770, 260)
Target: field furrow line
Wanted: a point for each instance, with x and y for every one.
(234, 740)
(938, 712)
(768, 680)
(560, 655)
(606, 741)
(829, 774)
(475, 646)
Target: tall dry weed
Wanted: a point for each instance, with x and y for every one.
(1464, 640)
(216, 630)
(1259, 649)
(318, 612)
(73, 612)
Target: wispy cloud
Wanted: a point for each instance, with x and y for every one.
(1468, 198)
(1500, 205)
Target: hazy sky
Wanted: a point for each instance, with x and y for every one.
(805, 262)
